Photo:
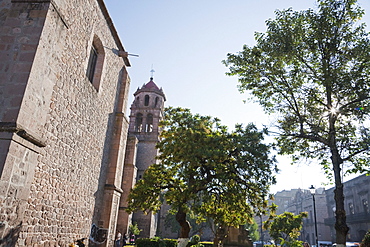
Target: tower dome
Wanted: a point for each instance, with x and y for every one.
(150, 87)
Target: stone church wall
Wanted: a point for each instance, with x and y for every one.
(52, 177)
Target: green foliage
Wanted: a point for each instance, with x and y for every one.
(155, 242)
(194, 242)
(170, 242)
(312, 69)
(134, 229)
(253, 230)
(285, 228)
(146, 242)
(366, 240)
(206, 170)
(207, 244)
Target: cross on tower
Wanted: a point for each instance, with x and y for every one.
(152, 73)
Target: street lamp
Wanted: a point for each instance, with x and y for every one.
(312, 190)
(261, 237)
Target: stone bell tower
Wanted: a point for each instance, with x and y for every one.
(143, 135)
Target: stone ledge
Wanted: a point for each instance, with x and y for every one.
(13, 127)
(113, 187)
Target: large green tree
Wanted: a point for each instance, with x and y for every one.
(206, 170)
(312, 68)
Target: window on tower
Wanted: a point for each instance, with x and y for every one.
(139, 122)
(149, 123)
(156, 101)
(146, 100)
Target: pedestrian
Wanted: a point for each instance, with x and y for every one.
(132, 239)
(118, 239)
(124, 239)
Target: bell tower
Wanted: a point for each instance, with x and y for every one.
(146, 112)
(143, 135)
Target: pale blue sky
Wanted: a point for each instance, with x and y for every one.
(185, 42)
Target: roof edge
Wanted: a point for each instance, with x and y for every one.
(113, 30)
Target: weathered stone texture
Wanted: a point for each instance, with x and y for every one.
(19, 37)
(128, 182)
(16, 177)
(147, 157)
(44, 53)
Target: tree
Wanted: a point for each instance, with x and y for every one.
(253, 230)
(196, 227)
(205, 170)
(312, 69)
(285, 228)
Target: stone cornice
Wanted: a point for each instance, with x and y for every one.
(113, 187)
(14, 127)
(113, 32)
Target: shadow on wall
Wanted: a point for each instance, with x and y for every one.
(11, 238)
(97, 221)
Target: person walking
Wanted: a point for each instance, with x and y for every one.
(124, 239)
(118, 239)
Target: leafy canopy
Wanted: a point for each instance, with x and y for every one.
(204, 169)
(312, 69)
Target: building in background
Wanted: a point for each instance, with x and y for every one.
(303, 202)
(357, 196)
(356, 203)
(300, 200)
(63, 94)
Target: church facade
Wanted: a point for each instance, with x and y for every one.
(63, 131)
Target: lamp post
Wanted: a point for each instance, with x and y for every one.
(261, 237)
(312, 190)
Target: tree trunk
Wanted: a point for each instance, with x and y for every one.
(340, 213)
(185, 226)
(340, 216)
(341, 227)
(221, 233)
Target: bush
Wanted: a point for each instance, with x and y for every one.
(366, 241)
(155, 242)
(194, 242)
(207, 244)
(170, 242)
(146, 242)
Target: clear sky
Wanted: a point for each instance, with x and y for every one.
(184, 41)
